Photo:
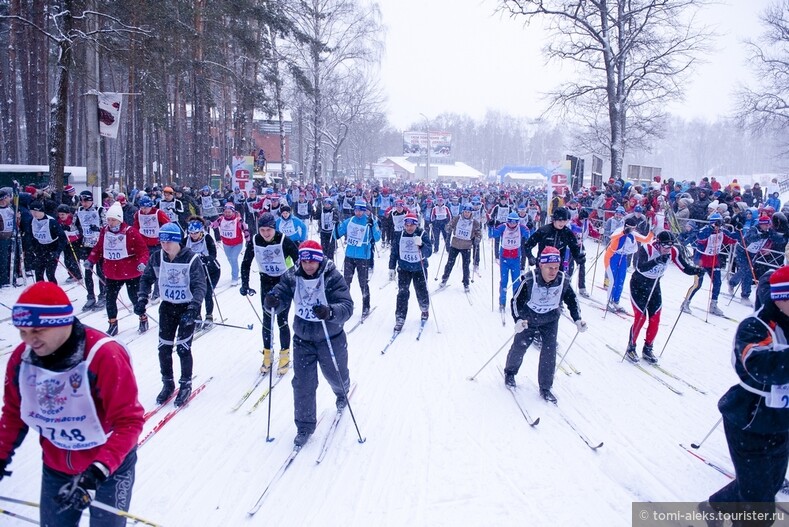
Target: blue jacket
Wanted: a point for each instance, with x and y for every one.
(301, 229)
(363, 251)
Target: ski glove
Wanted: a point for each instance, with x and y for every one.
(246, 290)
(581, 325)
(95, 228)
(141, 267)
(418, 241)
(532, 260)
(76, 493)
(87, 265)
(189, 316)
(392, 273)
(321, 312)
(271, 302)
(139, 307)
(3, 471)
(520, 325)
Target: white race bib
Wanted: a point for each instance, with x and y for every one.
(115, 246)
(409, 251)
(355, 235)
(149, 225)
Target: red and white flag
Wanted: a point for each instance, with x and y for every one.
(109, 114)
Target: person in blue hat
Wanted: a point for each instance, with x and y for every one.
(360, 232)
(182, 283)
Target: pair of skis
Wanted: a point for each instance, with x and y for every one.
(327, 440)
(663, 371)
(172, 413)
(395, 334)
(361, 321)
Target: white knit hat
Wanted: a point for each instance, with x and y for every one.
(115, 212)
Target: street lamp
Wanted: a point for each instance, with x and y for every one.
(427, 163)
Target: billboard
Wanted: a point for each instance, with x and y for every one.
(638, 173)
(243, 167)
(416, 144)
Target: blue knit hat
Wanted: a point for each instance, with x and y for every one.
(170, 232)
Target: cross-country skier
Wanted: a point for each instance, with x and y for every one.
(48, 240)
(320, 295)
(182, 283)
(536, 308)
(645, 294)
(274, 253)
(360, 231)
(624, 242)
(464, 231)
(90, 219)
(328, 217)
(755, 412)
(89, 451)
(511, 235)
(410, 250)
(205, 246)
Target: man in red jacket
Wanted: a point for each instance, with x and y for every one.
(123, 253)
(80, 394)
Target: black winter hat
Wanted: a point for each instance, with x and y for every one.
(267, 220)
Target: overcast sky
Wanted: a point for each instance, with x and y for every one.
(460, 56)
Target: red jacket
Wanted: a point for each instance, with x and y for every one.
(241, 232)
(114, 391)
(125, 268)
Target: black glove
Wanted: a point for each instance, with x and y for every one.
(370, 220)
(321, 312)
(74, 494)
(139, 307)
(246, 290)
(532, 260)
(271, 302)
(95, 228)
(581, 260)
(189, 316)
(3, 471)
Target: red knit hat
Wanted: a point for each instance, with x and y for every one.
(43, 305)
(411, 217)
(310, 251)
(779, 284)
(764, 219)
(550, 255)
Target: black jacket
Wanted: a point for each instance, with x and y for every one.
(197, 277)
(561, 239)
(533, 279)
(289, 247)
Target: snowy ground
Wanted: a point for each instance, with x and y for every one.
(440, 450)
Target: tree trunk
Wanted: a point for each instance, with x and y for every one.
(59, 106)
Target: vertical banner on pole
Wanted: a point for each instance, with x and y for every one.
(109, 114)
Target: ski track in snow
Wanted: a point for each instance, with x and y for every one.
(440, 450)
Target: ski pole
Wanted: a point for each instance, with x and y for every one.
(734, 293)
(93, 503)
(424, 273)
(248, 326)
(213, 291)
(19, 517)
(697, 446)
(474, 377)
(594, 263)
(492, 279)
(253, 309)
(566, 352)
(670, 333)
(342, 382)
(269, 439)
(709, 300)
(443, 248)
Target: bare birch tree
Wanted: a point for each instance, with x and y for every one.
(632, 57)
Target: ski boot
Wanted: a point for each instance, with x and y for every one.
(184, 391)
(631, 353)
(425, 314)
(744, 300)
(466, 289)
(266, 367)
(583, 293)
(101, 303)
(476, 270)
(143, 324)
(685, 307)
(208, 323)
(90, 304)
(168, 387)
(301, 439)
(715, 310)
(342, 402)
(399, 325)
(284, 362)
(546, 394)
(731, 290)
(443, 283)
(365, 312)
(509, 380)
(112, 330)
(647, 354)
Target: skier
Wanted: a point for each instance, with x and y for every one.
(360, 231)
(48, 241)
(182, 282)
(8, 220)
(464, 231)
(645, 292)
(755, 414)
(556, 234)
(172, 206)
(322, 300)
(439, 219)
(205, 246)
(90, 219)
(409, 253)
(498, 217)
(624, 242)
(290, 226)
(233, 232)
(66, 221)
(122, 252)
(536, 308)
(327, 218)
(91, 446)
(274, 253)
(148, 220)
(749, 247)
(208, 208)
(710, 241)
(511, 234)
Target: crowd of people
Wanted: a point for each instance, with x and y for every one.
(162, 243)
